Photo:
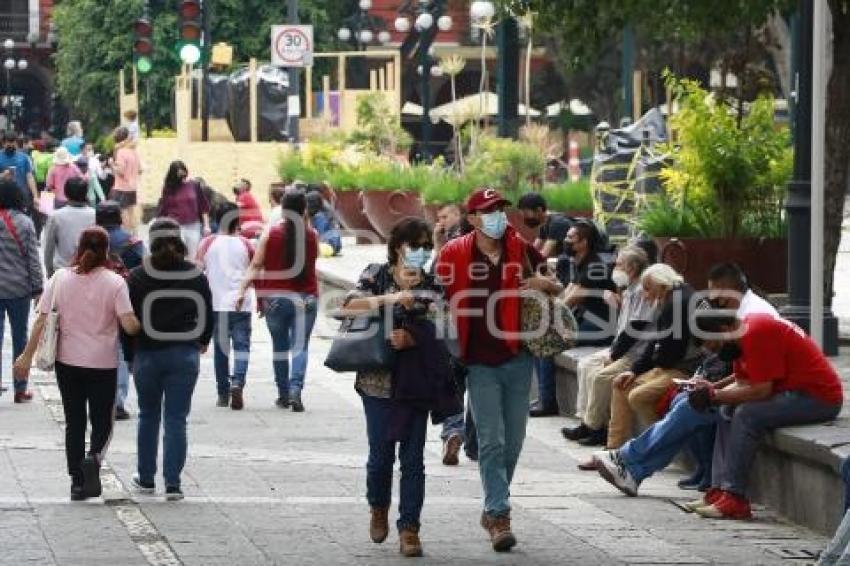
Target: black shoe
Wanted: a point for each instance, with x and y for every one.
(295, 401)
(576, 433)
(223, 400)
(283, 402)
(91, 477)
(77, 492)
(173, 493)
(595, 438)
(121, 414)
(143, 487)
(543, 411)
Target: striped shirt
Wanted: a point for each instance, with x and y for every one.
(20, 268)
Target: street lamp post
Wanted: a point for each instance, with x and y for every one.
(429, 20)
(10, 64)
(362, 29)
(798, 199)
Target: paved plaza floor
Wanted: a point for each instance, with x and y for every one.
(267, 486)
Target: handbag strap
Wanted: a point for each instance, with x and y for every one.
(59, 278)
(7, 219)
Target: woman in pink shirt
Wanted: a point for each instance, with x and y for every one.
(62, 170)
(127, 167)
(91, 302)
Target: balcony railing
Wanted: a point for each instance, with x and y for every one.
(14, 26)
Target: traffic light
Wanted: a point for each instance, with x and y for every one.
(143, 45)
(189, 46)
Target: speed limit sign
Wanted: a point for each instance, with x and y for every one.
(292, 46)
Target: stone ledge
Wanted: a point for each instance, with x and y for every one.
(826, 444)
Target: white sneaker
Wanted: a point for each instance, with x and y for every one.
(613, 470)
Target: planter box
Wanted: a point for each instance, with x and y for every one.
(764, 260)
(385, 209)
(429, 211)
(349, 211)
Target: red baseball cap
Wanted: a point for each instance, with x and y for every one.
(484, 198)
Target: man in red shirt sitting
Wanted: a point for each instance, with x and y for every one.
(483, 273)
(780, 378)
(251, 221)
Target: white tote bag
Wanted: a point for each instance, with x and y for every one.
(48, 344)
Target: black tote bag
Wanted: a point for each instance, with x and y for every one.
(361, 345)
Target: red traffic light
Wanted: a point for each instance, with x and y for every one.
(143, 46)
(190, 9)
(142, 27)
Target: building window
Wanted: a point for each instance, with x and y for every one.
(14, 19)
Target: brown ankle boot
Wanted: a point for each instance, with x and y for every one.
(409, 543)
(379, 527)
(499, 529)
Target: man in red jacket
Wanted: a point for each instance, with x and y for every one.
(483, 274)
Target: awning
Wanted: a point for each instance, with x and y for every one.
(474, 107)
(575, 106)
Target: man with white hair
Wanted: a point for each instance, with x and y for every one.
(668, 352)
(596, 374)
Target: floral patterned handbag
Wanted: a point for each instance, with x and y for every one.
(540, 310)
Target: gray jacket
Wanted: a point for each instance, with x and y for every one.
(20, 268)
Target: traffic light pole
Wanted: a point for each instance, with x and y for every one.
(294, 78)
(206, 15)
(148, 108)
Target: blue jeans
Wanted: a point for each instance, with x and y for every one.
(231, 328)
(379, 467)
(658, 445)
(290, 319)
(845, 474)
(123, 380)
(837, 552)
(499, 396)
(165, 382)
(18, 311)
(544, 368)
(740, 429)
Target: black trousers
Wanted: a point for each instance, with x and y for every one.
(86, 394)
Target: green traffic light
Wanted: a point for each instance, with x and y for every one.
(144, 65)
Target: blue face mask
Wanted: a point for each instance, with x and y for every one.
(494, 224)
(416, 258)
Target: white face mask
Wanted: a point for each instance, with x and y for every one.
(620, 278)
(494, 224)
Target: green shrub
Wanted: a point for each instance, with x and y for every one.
(569, 196)
(663, 220)
(735, 167)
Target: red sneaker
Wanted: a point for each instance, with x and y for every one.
(729, 506)
(23, 396)
(711, 496)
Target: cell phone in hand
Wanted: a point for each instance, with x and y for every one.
(683, 384)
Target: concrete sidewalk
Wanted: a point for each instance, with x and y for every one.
(266, 486)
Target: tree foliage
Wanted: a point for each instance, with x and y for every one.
(688, 36)
(95, 42)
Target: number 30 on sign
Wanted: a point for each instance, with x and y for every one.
(292, 46)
